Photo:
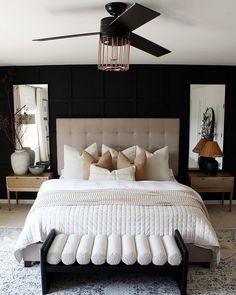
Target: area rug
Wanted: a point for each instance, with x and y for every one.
(15, 279)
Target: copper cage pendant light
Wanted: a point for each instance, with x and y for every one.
(114, 47)
(114, 53)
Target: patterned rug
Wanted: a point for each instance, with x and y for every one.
(15, 279)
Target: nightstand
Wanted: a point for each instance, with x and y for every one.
(24, 183)
(223, 182)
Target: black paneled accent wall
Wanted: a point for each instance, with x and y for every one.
(160, 91)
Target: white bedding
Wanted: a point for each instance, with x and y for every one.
(118, 207)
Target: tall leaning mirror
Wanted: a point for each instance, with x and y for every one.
(31, 119)
(206, 120)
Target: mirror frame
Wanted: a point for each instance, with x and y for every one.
(41, 116)
(203, 101)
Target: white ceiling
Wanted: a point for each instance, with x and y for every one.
(196, 31)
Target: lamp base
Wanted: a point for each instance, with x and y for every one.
(211, 167)
(201, 163)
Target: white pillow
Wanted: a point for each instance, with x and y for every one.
(157, 164)
(98, 173)
(73, 161)
(62, 174)
(130, 153)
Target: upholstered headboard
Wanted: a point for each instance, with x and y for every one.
(150, 134)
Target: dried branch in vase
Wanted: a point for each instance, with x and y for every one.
(11, 124)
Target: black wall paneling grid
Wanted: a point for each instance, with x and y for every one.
(144, 91)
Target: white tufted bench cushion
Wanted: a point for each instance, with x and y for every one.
(61, 253)
(113, 249)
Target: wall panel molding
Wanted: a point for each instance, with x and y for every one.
(144, 91)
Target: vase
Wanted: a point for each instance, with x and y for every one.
(20, 161)
(31, 153)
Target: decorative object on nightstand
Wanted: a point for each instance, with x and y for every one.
(25, 183)
(14, 127)
(31, 153)
(197, 149)
(36, 169)
(20, 161)
(211, 150)
(223, 183)
(44, 163)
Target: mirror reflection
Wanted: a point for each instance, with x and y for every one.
(31, 118)
(206, 119)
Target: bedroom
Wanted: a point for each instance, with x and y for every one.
(152, 88)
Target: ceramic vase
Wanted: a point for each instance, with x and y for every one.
(31, 153)
(20, 161)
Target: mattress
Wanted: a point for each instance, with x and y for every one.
(118, 207)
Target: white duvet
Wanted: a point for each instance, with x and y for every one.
(118, 207)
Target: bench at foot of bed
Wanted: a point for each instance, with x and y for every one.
(114, 254)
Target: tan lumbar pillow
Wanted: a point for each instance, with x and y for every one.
(139, 162)
(105, 161)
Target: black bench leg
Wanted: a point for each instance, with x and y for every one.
(183, 268)
(45, 276)
(182, 279)
(45, 279)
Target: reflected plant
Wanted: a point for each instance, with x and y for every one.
(208, 124)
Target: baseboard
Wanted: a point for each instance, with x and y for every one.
(218, 202)
(21, 201)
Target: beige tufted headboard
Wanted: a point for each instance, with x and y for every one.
(150, 134)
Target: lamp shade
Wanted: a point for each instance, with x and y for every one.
(199, 146)
(211, 149)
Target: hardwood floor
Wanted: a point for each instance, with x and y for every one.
(219, 215)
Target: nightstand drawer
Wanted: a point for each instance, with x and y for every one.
(212, 182)
(223, 182)
(32, 182)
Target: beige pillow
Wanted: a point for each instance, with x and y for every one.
(73, 160)
(98, 173)
(130, 153)
(105, 161)
(139, 162)
(157, 164)
(87, 161)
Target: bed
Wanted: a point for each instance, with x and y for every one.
(119, 206)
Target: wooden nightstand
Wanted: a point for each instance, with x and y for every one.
(223, 183)
(24, 183)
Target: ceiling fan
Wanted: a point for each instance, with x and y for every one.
(116, 35)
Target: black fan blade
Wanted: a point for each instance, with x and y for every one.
(67, 36)
(147, 46)
(134, 17)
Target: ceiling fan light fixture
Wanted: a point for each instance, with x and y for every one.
(114, 53)
(116, 35)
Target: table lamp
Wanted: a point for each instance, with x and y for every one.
(197, 149)
(211, 150)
